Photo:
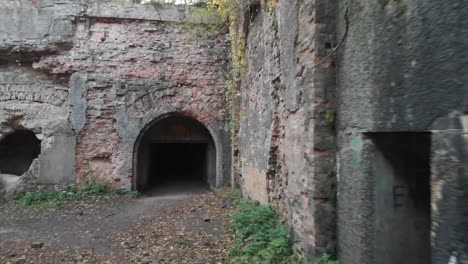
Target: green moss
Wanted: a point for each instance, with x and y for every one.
(383, 3)
(402, 6)
(401, 11)
(324, 259)
(330, 115)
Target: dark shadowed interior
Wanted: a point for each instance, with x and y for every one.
(177, 162)
(175, 154)
(17, 151)
(402, 197)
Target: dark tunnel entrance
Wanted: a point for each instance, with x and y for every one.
(181, 161)
(17, 152)
(175, 154)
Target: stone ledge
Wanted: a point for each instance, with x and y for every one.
(166, 13)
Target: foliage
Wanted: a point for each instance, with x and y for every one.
(234, 197)
(324, 259)
(260, 237)
(270, 6)
(69, 193)
(330, 115)
(158, 3)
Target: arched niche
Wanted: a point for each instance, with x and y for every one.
(174, 150)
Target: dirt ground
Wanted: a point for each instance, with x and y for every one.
(174, 228)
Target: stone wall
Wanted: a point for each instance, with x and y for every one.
(32, 101)
(285, 138)
(102, 71)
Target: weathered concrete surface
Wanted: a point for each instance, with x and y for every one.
(34, 102)
(399, 69)
(77, 101)
(47, 26)
(448, 193)
(57, 164)
(8, 185)
(33, 27)
(397, 72)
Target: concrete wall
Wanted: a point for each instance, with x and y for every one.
(449, 184)
(399, 69)
(102, 71)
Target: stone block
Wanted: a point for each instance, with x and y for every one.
(57, 165)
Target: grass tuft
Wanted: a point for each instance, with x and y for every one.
(260, 236)
(69, 193)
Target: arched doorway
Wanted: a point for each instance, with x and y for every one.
(17, 152)
(174, 153)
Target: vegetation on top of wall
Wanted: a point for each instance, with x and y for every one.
(46, 198)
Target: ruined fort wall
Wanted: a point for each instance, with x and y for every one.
(286, 138)
(397, 67)
(110, 69)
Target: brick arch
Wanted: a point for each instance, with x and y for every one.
(213, 130)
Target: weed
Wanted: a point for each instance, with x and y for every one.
(324, 259)
(134, 194)
(159, 3)
(47, 198)
(330, 115)
(234, 197)
(260, 237)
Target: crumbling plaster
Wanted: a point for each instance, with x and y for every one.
(118, 68)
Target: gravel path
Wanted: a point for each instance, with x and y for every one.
(186, 228)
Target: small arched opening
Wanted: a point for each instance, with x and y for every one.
(174, 153)
(17, 152)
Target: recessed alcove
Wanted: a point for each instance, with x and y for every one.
(17, 152)
(175, 154)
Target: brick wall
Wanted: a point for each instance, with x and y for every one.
(117, 71)
(286, 137)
